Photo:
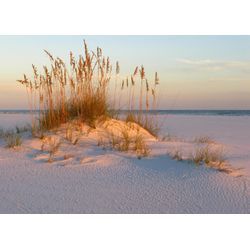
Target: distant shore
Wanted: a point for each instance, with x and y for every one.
(202, 112)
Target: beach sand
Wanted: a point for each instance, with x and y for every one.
(94, 180)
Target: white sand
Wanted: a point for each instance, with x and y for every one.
(231, 132)
(103, 181)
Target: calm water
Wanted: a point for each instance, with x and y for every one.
(165, 112)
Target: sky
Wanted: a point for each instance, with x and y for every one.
(196, 72)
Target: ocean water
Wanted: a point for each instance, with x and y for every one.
(166, 112)
(206, 112)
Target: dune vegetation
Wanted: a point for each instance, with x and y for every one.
(84, 98)
(81, 90)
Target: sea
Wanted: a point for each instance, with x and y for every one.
(166, 112)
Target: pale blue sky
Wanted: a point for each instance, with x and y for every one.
(207, 72)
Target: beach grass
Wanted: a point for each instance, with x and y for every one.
(203, 139)
(12, 139)
(125, 141)
(81, 90)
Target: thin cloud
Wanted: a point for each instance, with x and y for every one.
(216, 65)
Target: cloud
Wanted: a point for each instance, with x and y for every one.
(216, 65)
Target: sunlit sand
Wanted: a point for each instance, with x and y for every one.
(87, 178)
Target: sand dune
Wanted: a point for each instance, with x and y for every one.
(93, 180)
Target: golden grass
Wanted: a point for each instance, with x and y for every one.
(209, 156)
(147, 95)
(71, 135)
(61, 93)
(125, 142)
(51, 145)
(205, 155)
(213, 158)
(81, 90)
(145, 121)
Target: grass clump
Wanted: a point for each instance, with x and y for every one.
(177, 155)
(80, 90)
(212, 158)
(208, 156)
(71, 137)
(140, 146)
(125, 142)
(62, 93)
(12, 139)
(169, 138)
(23, 129)
(203, 139)
(145, 121)
(54, 147)
(147, 101)
(51, 145)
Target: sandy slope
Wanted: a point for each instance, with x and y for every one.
(111, 183)
(231, 132)
(103, 181)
